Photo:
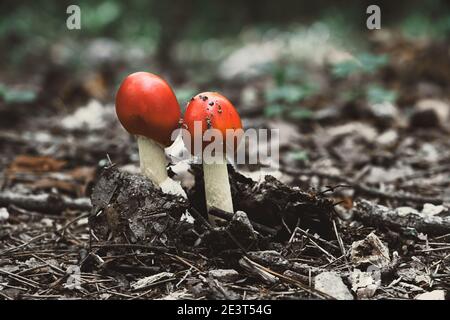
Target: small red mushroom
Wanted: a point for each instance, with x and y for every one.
(211, 110)
(148, 108)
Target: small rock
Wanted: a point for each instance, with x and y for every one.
(432, 210)
(240, 227)
(173, 187)
(241, 217)
(387, 138)
(380, 174)
(385, 112)
(224, 275)
(83, 221)
(327, 115)
(429, 153)
(332, 284)
(47, 222)
(187, 217)
(432, 295)
(4, 214)
(364, 284)
(430, 113)
(404, 211)
(370, 251)
(90, 117)
(182, 294)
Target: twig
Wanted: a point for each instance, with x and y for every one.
(365, 189)
(21, 279)
(63, 229)
(229, 216)
(183, 261)
(341, 244)
(129, 246)
(46, 203)
(328, 243)
(377, 215)
(308, 289)
(23, 244)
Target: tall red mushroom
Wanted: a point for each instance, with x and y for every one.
(211, 110)
(147, 108)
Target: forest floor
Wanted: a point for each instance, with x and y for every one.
(359, 208)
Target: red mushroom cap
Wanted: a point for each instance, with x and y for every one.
(147, 106)
(214, 111)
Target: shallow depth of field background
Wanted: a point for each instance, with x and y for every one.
(276, 60)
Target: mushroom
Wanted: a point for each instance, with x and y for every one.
(211, 110)
(147, 108)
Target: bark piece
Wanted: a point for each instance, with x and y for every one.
(370, 251)
(129, 207)
(380, 216)
(52, 203)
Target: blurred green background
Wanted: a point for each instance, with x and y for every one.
(200, 44)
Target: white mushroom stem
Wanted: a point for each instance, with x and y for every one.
(153, 165)
(217, 188)
(153, 160)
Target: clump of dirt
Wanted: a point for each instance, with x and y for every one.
(130, 208)
(273, 204)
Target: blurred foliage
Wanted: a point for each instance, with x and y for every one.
(377, 94)
(420, 25)
(274, 110)
(372, 93)
(97, 18)
(289, 93)
(184, 94)
(300, 113)
(192, 38)
(10, 95)
(284, 73)
(283, 101)
(365, 63)
(30, 26)
(292, 86)
(299, 155)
